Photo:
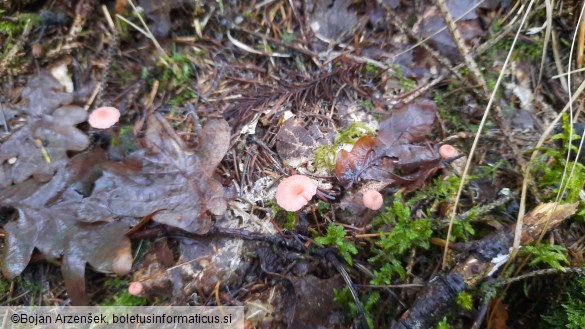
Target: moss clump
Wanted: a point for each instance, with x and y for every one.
(569, 312)
(14, 27)
(550, 172)
(121, 296)
(325, 155)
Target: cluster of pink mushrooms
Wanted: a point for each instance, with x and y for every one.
(294, 192)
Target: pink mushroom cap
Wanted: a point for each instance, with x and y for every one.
(448, 151)
(373, 199)
(104, 117)
(135, 288)
(295, 192)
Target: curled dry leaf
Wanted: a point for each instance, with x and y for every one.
(167, 179)
(350, 165)
(40, 147)
(392, 157)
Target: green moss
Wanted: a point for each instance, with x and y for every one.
(10, 32)
(444, 324)
(323, 207)
(367, 105)
(446, 101)
(325, 155)
(121, 296)
(569, 312)
(407, 84)
(399, 233)
(176, 71)
(287, 37)
(121, 74)
(335, 236)
(183, 97)
(465, 300)
(291, 220)
(372, 69)
(125, 139)
(352, 133)
(549, 169)
(497, 25)
(554, 256)
(14, 27)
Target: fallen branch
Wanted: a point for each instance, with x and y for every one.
(487, 256)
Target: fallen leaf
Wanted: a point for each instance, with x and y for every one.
(409, 123)
(203, 261)
(294, 143)
(39, 148)
(349, 166)
(47, 222)
(332, 19)
(167, 179)
(432, 21)
(498, 315)
(392, 157)
(43, 94)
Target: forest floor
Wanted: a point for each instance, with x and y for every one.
(458, 113)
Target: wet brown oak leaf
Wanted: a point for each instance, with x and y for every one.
(47, 222)
(166, 179)
(40, 146)
(408, 123)
(393, 157)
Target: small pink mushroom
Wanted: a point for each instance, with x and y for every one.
(295, 192)
(373, 199)
(104, 117)
(135, 288)
(448, 151)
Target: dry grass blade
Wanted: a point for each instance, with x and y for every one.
(547, 33)
(146, 31)
(249, 49)
(580, 43)
(558, 63)
(425, 40)
(478, 135)
(572, 117)
(462, 46)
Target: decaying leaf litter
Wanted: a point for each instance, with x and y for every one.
(222, 101)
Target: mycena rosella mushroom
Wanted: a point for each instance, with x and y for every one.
(294, 192)
(373, 199)
(104, 117)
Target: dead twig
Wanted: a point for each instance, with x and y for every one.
(488, 255)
